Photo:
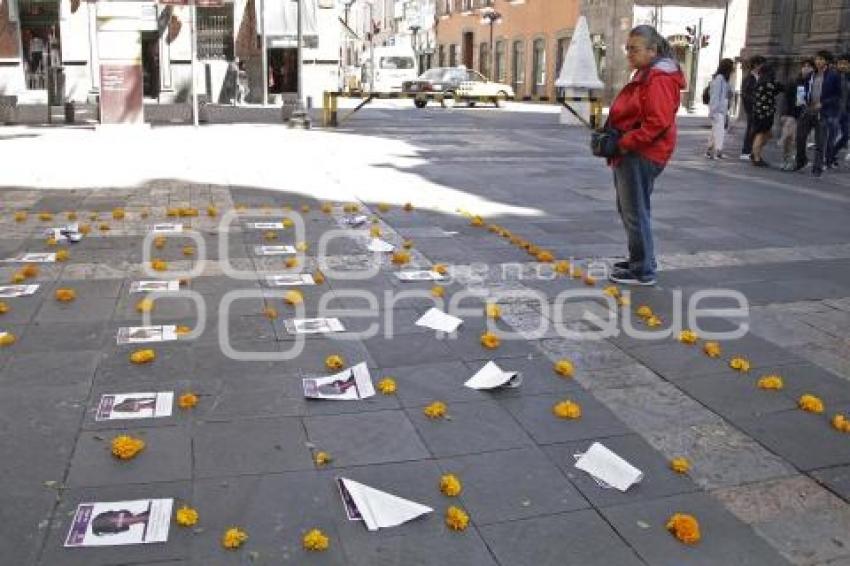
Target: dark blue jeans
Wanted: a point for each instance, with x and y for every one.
(843, 135)
(634, 179)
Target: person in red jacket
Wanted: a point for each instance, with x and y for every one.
(644, 113)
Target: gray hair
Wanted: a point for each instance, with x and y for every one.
(653, 40)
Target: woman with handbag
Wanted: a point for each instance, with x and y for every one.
(642, 120)
(719, 95)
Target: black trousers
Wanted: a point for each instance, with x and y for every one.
(749, 134)
(811, 121)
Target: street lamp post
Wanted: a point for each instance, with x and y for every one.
(414, 41)
(489, 16)
(300, 117)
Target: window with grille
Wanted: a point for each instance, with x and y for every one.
(538, 64)
(484, 59)
(500, 61)
(518, 62)
(215, 33)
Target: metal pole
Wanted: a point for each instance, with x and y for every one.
(300, 94)
(723, 33)
(492, 63)
(194, 38)
(371, 48)
(264, 57)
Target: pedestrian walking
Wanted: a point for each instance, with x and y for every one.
(644, 116)
(823, 94)
(793, 105)
(764, 112)
(720, 94)
(843, 134)
(748, 91)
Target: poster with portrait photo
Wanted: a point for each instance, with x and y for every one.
(155, 286)
(290, 280)
(274, 250)
(351, 384)
(313, 325)
(12, 291)
(120, 522)
(419, 275)
(167, 228)
(34, 257)
(266, 225)
(144, 334)
(123, 406)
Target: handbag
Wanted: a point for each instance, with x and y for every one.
(604, 142)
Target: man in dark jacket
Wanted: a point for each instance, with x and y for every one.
(748, 98)
(843, 134)
(823, 98)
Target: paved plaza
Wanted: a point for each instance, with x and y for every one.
(769, 483)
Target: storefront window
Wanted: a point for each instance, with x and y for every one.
(215, 33)
(39, 22)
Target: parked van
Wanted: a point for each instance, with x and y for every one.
(394, 66)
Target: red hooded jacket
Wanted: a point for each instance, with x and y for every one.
(645, 111)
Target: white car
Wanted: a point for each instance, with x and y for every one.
(478, 87)
(462, 84)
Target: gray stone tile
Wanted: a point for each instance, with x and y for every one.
(311, 358)
(66, 336)
(725, 540)
(611, 378)
(368, 438)
(25, 515)
(420, 384)
(586, 354)
(173, 359)
(810, 538)
(836, 478)
(467, 345)
(734, 396)
(658, 479)
(418, 549)
(534, 414)
(810, 378)
(85, 308)
(469, 428)
(250, 447)
(581, 537)
(167, 457)
(527, 484)
(70, 371)
(409, 350)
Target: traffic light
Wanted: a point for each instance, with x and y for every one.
(703, 43)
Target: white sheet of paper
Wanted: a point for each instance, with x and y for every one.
(492, 376)
(350, 384)
(379, 509)
(313, 325)
(155, 286)
(11, 291)
(378, 245)
(167, 228)
(144, 334)
(34, 257)
(123, 406)
(266, 225)
(436, 319)
(290, 280)
(603, 464)
(275, 250)
(354, 221)
(423, 275)
(120, 522)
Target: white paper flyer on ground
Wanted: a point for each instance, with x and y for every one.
(378, 509)
(351, 384)
(144, 334)
(378, 245)
(34, 257)
(313, 325)
(492, 376)
(354, 221)
(436, 319)
(12, 291)
(266, 225)
(274, 250)
(290, 280)
(606, 466)
(167, 228)
(68, 233)
(120, 522)
(420, 275)
(155, 286)
(122, 406)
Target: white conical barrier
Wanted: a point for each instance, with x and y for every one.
(380, 509)
(579, 74)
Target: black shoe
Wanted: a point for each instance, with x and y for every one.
(800, 165)
(817, 173)
(621, 265)
(626, 277)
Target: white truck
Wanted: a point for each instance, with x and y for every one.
(393, 66)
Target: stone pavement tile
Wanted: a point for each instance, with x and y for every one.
(720, 455)
(72, 372)
(469, 428)
(725, 539)
(166, 310)
(209, 360)
(252, 397)
(783, 329)
(420, 384)
(810, 378)
(409, 350)
(806, 440)
(630, 375)
(309, 356)
(836, 478)
(580, 537)
(534, 414)
(250, 447)
(467, 346)
(25, 515)
(734, 396)
(237, 328)
(85, 308)
(167, 457)
(417, 549)
(810, 538)
(234, 305)
(177, 547)
(173, 360)
(675, 361)
(274, 509)
(210, 285)
(66, 336)
(366, 438)
(525, 484)
(658, 479)
(22, 309)
(647, 408)
(831, 355)
(102, 288)
(585, 354)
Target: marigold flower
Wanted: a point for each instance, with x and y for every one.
(401, 257)
(562, 267)
(159, 242)
(104, 227)
(653, 321)
(305, 208)
(490, 341)
(4, 307)
(567, 409)
(770, 382)
(493, 228)
(739, 364)
(450, 485)
(564, 368)
(212, 211)
(545, 256)
(644, 311)
(270, 313)
(240, 207)
(125, 447)
(85, 229)
(383, 207)
(45, 216)
(334, 362)
(65, 295)
(143, 356)
(612, 291)
(233, 538)
(456, 518)
(7, 338)
(319, 277)
(810, 403)
(302, 246)
(18, 277)
(322, 459)
(387, 386)
(182, 329)
(51, 241)
(492, 310)
(63, 255)
(476, 221)
(408, 207)
(20, 216)
(145, 213)
(327, 207)
(188, 251)
(172, 212)
(187, 400)
(840, 423)
(270, 235)
(30, 271)
(712, 349)
(435, 410)
(291, 262)
(186, 517)
(688, 337)
(684, 527)
(407, 244)
(440, 268)
(287, 223)
(159, 265)
(576, 272)
(315, 540)
(118, 213)
(680, 465)
(293, 297)
(187, 211)
(588, 280)
(145, 305)
(93, 216)
(438, 291)
(623, 301)
(71, 215)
